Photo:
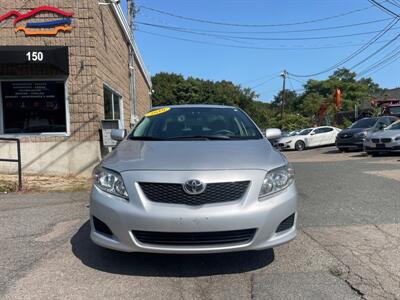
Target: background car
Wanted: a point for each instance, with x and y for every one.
(310, 137)
(353, 137)
(387, 140)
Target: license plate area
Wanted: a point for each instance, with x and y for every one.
(380, 146)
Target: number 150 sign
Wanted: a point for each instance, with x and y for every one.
(35, 56)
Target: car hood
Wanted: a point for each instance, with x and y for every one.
(386, 134)
(193, 155)
(353, 130)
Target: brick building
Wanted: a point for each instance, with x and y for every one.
(65, 67)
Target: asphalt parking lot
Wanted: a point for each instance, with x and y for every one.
(347, 246)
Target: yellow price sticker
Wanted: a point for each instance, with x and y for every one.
(157, 112)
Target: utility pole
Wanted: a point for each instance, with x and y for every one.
(284, 74)
(132, 83)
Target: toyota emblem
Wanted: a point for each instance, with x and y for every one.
(194, 187)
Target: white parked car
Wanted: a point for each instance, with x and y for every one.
(310, 137)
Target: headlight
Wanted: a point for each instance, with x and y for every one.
(397, 138)
(361, 134)
(288, 142)
(277, 180)
(109, 181)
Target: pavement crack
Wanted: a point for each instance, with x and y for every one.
(251, 281)
(338, 273)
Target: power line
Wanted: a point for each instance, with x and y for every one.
(298, 80)
(355, 53)
(252, 25)
(375, 52)
(177, 29)
(382, 66)
(384, 8)
(266, 81)
(271, 32)
(393, 3)
(291, 83)
(259, 78)
(387, 58)
(251, 47)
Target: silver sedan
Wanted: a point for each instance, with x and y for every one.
(384, 141)
(193, 179)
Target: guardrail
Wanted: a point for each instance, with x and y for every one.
(18, 160)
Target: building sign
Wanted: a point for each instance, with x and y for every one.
(55, 56)
(33, 106)
(40, 28)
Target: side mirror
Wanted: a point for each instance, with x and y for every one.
(273, 133)
(118, 134)
(312, 133)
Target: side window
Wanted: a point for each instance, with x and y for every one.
(318, 131)
(112, 105)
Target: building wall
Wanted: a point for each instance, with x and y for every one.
(81, 91)
(143, 103)
(112, 57)
(98, 54)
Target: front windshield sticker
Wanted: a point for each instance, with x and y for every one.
(157, 112)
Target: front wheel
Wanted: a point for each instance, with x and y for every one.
(300, 146)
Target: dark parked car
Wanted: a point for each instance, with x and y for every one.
(353, 137)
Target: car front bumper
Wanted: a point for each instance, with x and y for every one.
(139, 214)
(285, 146)
(369, 146)
(350, 143)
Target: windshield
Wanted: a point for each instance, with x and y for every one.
(305, 131)
(180, 123)
(394, 126)
(293, 133)
(364, 123)
(394, 109)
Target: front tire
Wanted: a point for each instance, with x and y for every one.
(300, 146)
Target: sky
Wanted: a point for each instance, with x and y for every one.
(222, 52)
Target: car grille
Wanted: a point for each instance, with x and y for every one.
(214, 193)
(386, 140)
(376, 141)
(194, 238)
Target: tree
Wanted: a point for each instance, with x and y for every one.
(170, 88)
(301, 110)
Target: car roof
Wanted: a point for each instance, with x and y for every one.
(194, 106)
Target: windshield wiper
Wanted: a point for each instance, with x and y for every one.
(200, 137)
(146, 138)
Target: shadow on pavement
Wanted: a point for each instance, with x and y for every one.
(333, 151)
(165, 265)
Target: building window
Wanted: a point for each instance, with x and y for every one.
(112, 105)
(32, 107)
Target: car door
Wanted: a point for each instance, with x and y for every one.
(328, 136)
(321, 136)
(313, 138)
